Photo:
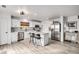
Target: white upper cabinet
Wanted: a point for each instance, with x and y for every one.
(15, 23)
(73, 18)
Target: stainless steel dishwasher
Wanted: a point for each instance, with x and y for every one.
(20, 36)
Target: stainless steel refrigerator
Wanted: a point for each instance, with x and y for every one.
(55, 30)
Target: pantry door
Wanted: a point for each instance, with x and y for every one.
(5, 29)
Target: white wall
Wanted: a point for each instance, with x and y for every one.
(45, 26)
(0, 30)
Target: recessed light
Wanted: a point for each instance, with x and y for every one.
(35, 14)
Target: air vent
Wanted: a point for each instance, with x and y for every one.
(4, 6)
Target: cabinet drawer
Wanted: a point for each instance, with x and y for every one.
(14, 37)
(70, 36)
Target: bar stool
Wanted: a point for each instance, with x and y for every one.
(32, 37)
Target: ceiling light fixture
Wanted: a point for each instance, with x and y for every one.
(22, 12)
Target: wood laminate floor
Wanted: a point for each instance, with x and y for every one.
(55, 47)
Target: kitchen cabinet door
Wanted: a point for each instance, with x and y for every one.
(44, 39)
(14, 37)
(15, 23)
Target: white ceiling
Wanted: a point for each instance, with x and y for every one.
(42, 12)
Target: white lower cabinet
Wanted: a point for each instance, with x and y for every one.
(26, 35)
(44, 39)
(14, 37)
(71, 36)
